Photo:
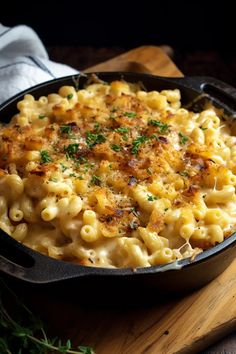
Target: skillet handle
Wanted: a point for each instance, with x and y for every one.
(23, 263)
(219, 91)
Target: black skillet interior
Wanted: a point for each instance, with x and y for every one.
(22, 263)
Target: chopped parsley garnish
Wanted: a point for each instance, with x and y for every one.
(71, 150)
(45, 157)
(95, 180)
(63, 167)
(151, 198)
(70, 96)
(65, 129)
(201, 127)
(72, 175)
(81, 160)
(162, 126)
(96, 126)
(154, 136)
(137, 142)
(110, 166)
(122, 130)
(88, 165)
(166, 209)
(183, 138)
(94, 139)
(130, 114)
(115, 147)
(42, 116)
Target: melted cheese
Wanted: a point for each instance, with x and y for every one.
(136, 159)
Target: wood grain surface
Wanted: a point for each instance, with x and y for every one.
(143, 59)
(184, 325)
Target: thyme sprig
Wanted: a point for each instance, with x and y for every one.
(18, 336)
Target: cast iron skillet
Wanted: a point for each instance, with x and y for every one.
(29, 266)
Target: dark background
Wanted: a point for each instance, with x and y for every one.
(184, 24)
(202, 33)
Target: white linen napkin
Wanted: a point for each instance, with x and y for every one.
(24, 61)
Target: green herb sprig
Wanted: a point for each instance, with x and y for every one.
(122, 130)
(63, 167)
(26, 333)
(45, 157)
(115, 147)
(137, 142)
(130, 114)
(163, 128)
(151, 198)
(71, 150)
(70, 96)
(96, 126)
(95, 180)
(183, 139)
(94, 139)
(65, 129)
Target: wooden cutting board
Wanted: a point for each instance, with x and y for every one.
(185, 325)
(145, 59)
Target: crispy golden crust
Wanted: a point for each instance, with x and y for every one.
(156, 155)
(107, 143)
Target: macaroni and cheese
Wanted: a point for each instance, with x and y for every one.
(114, 176)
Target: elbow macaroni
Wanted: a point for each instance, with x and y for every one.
(114, 176)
